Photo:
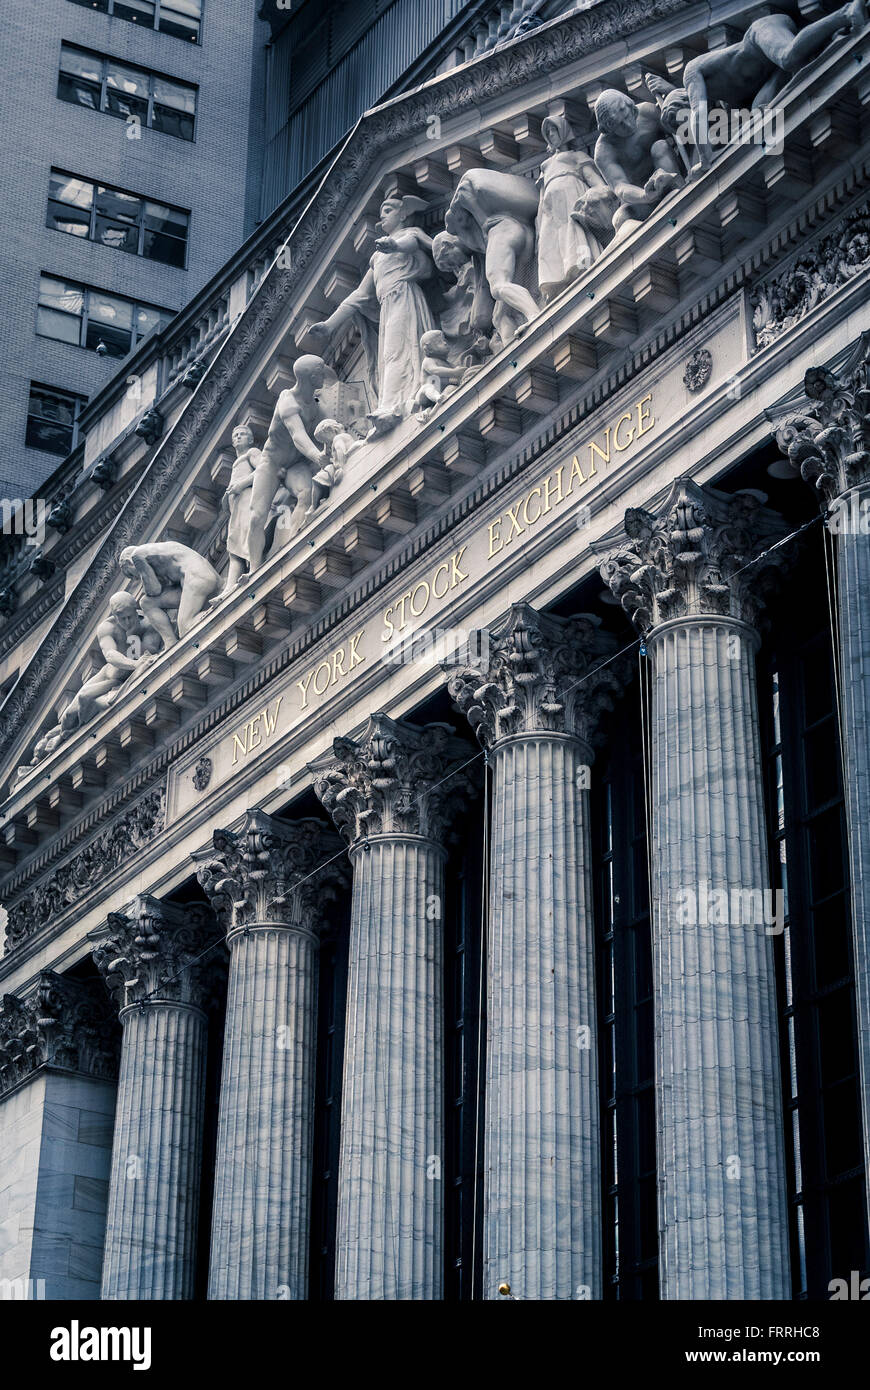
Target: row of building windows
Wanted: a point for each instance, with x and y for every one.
(133, 94)
(113, 217)
(180, 18)
(107, 323)
(81, 315)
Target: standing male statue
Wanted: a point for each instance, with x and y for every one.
(492, 215)
(289, 455)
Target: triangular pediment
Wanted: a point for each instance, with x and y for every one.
(482, 128)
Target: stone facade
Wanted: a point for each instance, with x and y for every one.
(398, 662)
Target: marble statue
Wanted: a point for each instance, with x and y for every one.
(439, 375)
(391, 311)
(337, 443)
(493, 214)
(466, 320)
(751, 73)
(566, 246)
(175, 578)
(237, 501)
(128, 643)
(289, 457)
(634, 154)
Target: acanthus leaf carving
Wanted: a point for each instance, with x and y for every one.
(272, 871)
(398, 778)
(829, 441)
(541, 674)
(63, 1023)
(696, 556)
(160, 951)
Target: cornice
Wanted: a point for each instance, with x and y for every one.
(377, 133)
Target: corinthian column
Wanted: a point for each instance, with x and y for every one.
(159, 964)
(267, 885)
(390, 795)
(534, 708)
(830, 443)
(721, 1169)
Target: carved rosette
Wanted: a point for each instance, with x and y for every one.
(543, 674)
(703, 553)
(399, 779)
(158, 951)
(64, 1023)
(272, 871)
(829, 442)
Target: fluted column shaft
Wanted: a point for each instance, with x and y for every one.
(853, 570)
(721, 1179)
(542, 1213)
(261, 1211)
(389, 1242)
(157, 1152)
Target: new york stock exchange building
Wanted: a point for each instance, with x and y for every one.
(435, 819)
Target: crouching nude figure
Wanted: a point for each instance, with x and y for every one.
(173, 577)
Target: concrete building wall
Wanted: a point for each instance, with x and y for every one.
(207, 176)
(55, 1151)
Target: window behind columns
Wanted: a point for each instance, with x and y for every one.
(815, 972)
(327, 1106)
(625, 1008)
(463, 1028)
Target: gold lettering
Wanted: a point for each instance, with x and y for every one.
(355, 658)
(493, 527)
(622, 447)
(255, 739)
(547, 485)
(324, 666)
(422, 585)
(641, 427)
(242, 741)
(337, 665)
(303, 686)
(445, 567)
(576, 472)
(457, 576)
(515, 525)
(597, 449)
(530, 520)
(271, 720)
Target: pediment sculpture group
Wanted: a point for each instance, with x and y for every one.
(431, 310)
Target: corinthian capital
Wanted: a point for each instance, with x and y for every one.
(703, 553)
(64, 1023)
(272, 871)
(159, 951)
(542, 674)
(398, 779)
(829, 441)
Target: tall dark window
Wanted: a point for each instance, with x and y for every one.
(625, 1009)
(327, 1108)
(53, 419)
(815, 971)
(464, 1028)
(113, 217)
(133, 94)
(180, 18)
